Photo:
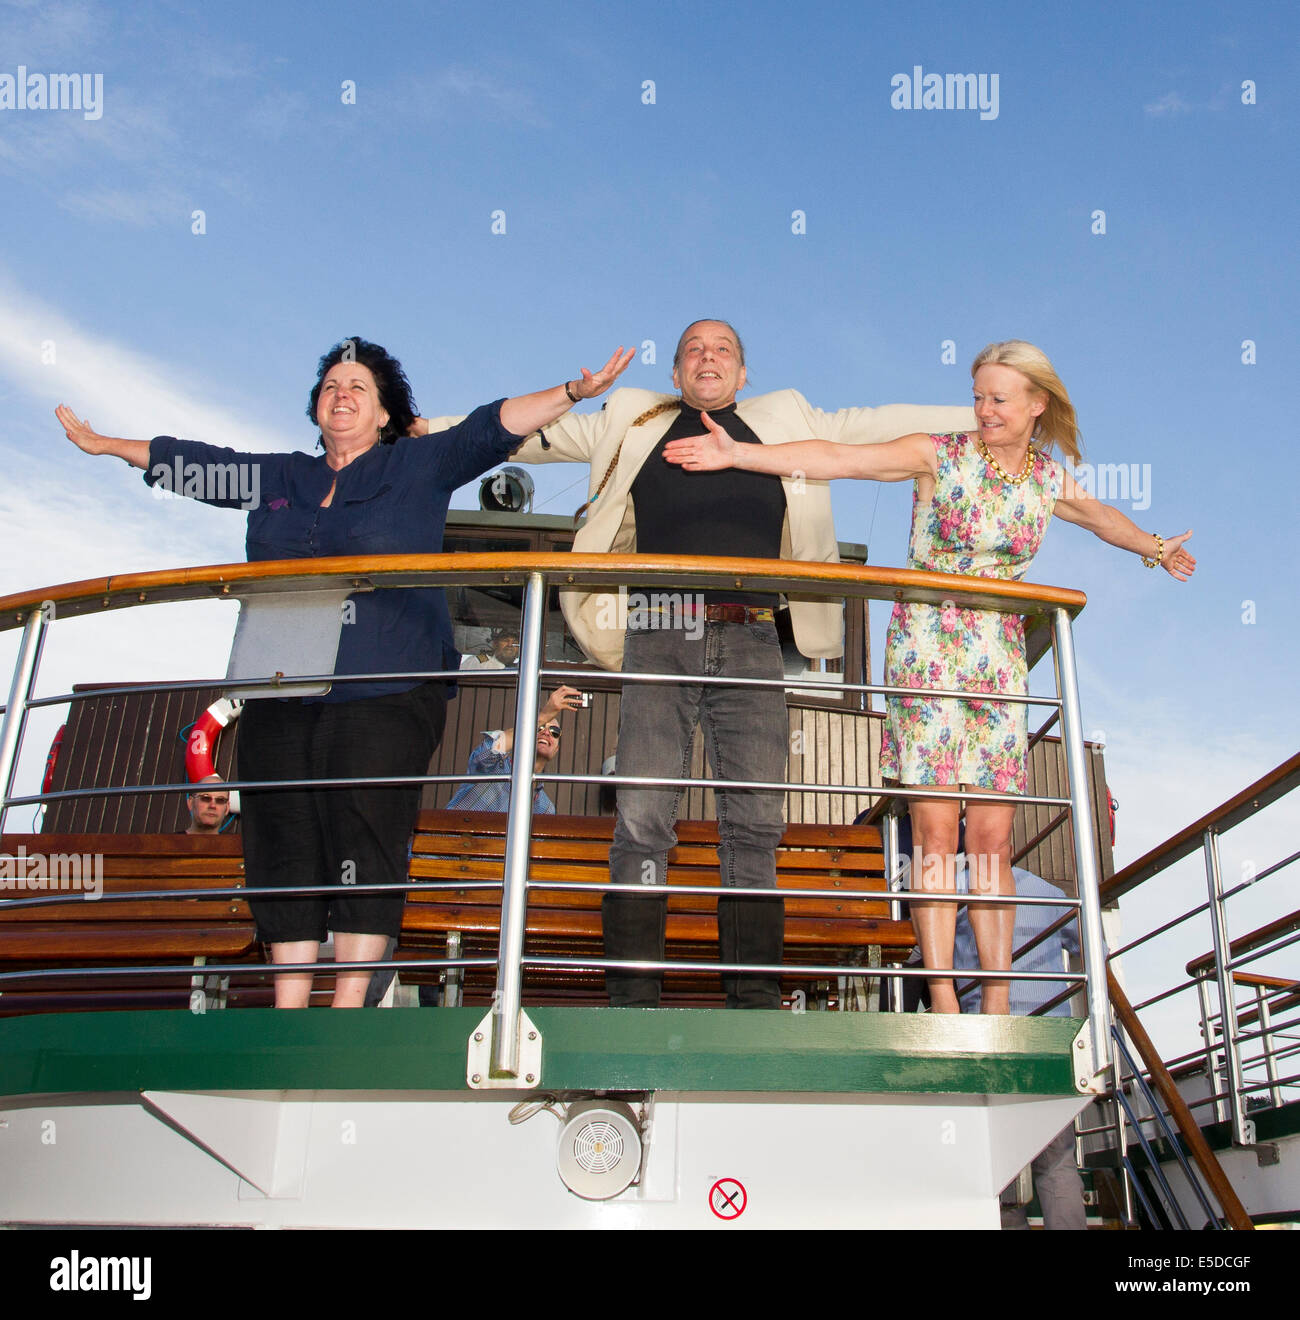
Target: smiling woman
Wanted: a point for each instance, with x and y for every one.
(374, 490)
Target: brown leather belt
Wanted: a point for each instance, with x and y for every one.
(718, 613)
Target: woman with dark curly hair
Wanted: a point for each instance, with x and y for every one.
(374, 490)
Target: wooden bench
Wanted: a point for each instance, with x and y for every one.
(470, 846)
(449, 846)
(185, 930)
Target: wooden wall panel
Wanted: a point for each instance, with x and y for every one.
(133, 739)
(128, 740)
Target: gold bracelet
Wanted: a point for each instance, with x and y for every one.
(1160, 552)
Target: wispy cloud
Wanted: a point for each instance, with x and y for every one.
(457, 91)
(278, 114)
(129, 207)
(129, 165)
(68, 516)
(50, 358)
(37, 32)
(138, 161)
(1171, 103)
(73, 529)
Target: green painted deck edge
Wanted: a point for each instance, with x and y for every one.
(584, 1049)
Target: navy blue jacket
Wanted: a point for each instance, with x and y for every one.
(391, 500)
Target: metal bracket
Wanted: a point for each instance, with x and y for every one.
(1267, 1154)
(478, 1070)
(207, 991)
(1085, 1083)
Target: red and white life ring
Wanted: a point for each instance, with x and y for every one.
(52, 759)
(201, 745)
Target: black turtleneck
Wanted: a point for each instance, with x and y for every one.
(709, 513)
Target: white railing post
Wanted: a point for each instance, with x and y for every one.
(1212, 1068)
(1243, 1128)
(1121, 1131)
(508, 999)
(894, 881)
(1086, 869)
(1264, 1016)
(20, 691)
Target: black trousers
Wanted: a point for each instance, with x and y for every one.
(749, 930)
(333, 836)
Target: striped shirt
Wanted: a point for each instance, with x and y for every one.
(486, 759)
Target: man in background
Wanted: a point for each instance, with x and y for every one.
(494, 755)
(501, 653)
(208, 806)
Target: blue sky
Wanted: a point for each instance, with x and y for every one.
(626, 218)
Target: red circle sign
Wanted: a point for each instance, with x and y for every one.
(727, 1198)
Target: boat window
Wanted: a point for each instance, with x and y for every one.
(485, 618)
(798, 666)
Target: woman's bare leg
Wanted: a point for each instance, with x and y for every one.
(350, 987)
(293, 989)
(934, 848)
(988, 865)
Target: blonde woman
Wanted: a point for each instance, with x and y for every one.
(981, 503)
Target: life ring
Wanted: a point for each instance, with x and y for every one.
(52, 759)
(202, 741)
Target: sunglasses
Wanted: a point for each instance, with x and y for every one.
(553, 729)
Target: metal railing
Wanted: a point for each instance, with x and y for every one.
(1048, 613)
(1250, 1041)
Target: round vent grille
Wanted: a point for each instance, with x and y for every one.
(600, 1148)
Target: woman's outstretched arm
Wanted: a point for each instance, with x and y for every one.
(527, 413)
(903, 459)
(1107, 522)
(135, 452)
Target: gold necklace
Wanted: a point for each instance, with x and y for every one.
(1006, 476)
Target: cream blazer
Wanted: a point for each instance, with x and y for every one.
(809, 530)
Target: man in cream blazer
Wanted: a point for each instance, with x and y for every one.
(809, 532)
(745, 728)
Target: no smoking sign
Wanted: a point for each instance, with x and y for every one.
(727, 1198)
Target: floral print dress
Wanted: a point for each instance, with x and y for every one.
(979, 525)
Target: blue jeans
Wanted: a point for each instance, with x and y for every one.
(745, 737)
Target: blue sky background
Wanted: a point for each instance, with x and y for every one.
(624, 221)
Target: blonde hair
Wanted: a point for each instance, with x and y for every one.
(1058, 424)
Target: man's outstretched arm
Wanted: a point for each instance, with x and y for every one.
(874, 426)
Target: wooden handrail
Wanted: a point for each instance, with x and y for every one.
(1267, 982)
(568, 570)
(1245, 943)
(1290, 994)
(1233, 1210)
(1276, 784)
